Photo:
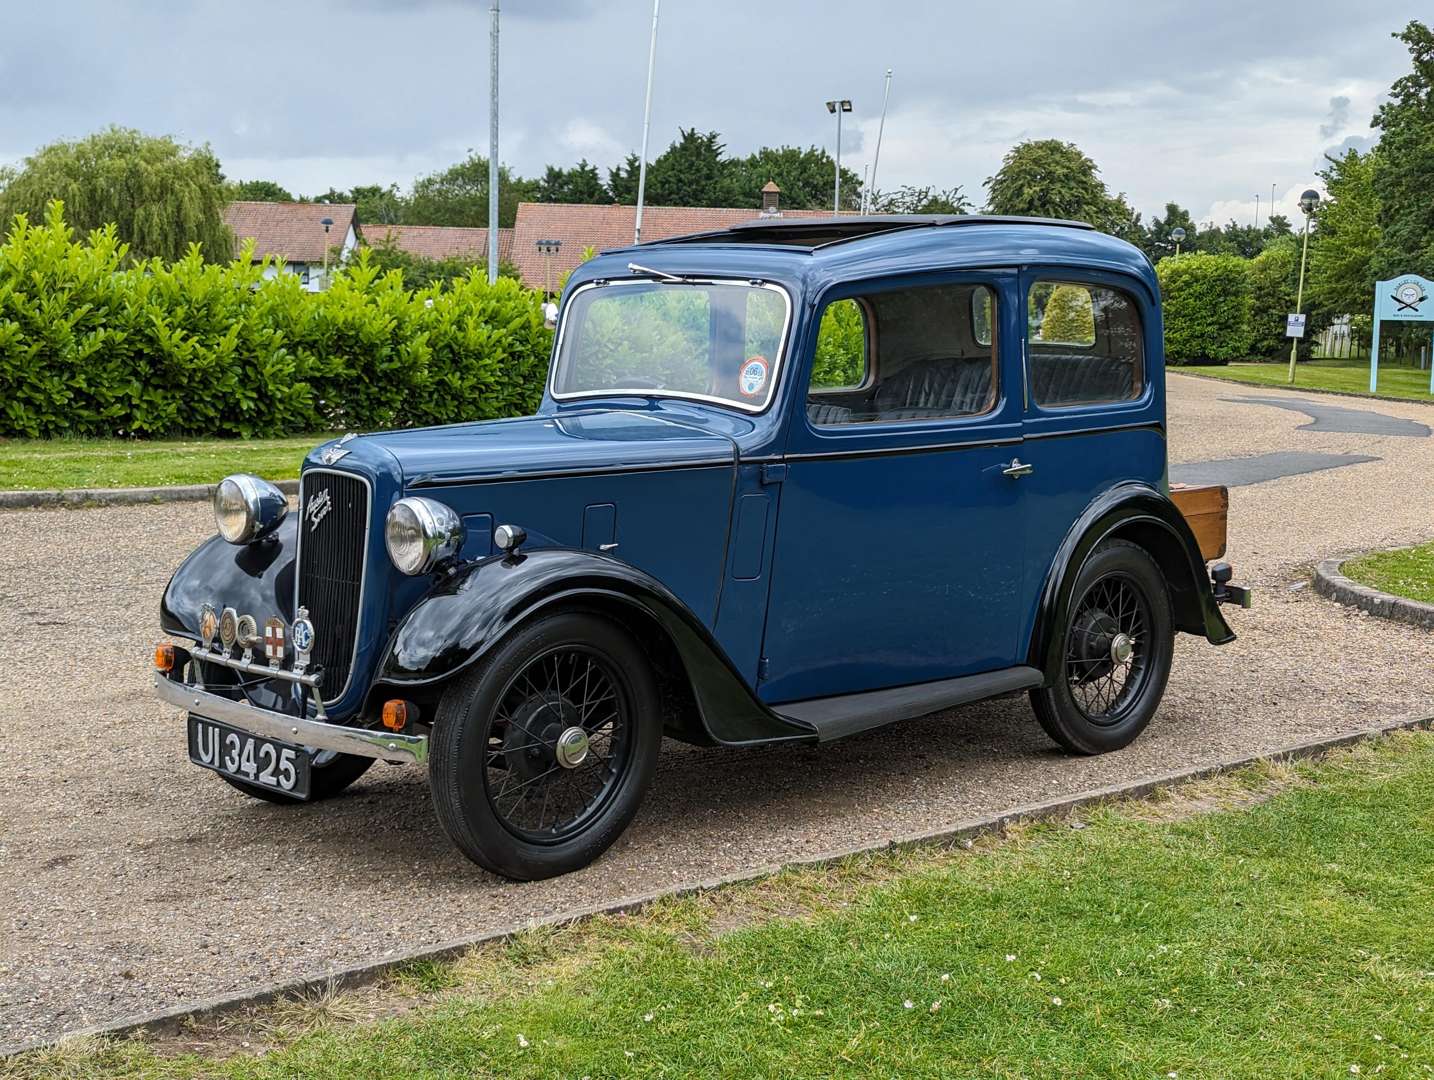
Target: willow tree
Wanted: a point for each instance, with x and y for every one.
(160, 195)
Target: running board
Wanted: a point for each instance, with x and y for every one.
(847, 714)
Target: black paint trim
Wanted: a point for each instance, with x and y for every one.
(837, 717)
(431, 481)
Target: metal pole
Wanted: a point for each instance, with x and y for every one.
(1272, 200)
(865, 174)
(1257, 210)
(1300, 296)
(880, 128)
(836, 197)
(493, 147)
(646, 126)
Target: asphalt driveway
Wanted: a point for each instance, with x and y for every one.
(134, 881)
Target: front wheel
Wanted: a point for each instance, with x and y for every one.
(542, 752)
(1117, 643)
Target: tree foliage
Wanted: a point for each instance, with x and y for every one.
(579, 184)
(909, 199)
(1341, 263)
(1405, 163)
(1274, 281)
(258, 191)
(419, 272)
(1050, 178)
(805, 174)
(161, 196)
(458, 195)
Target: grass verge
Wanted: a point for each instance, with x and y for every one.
(1291, 936)
(1405, 572)
(45, 464)
(1345, 376)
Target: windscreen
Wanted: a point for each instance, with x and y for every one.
(710, 340)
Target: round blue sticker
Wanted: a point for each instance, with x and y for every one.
(753, 378)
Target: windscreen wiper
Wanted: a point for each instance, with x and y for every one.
(662, 275)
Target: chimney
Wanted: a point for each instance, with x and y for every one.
(771, 195)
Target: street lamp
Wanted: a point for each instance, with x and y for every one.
(547, 249)
(1309, 203)
(1177, 234)
(327, 223)
(836, 108)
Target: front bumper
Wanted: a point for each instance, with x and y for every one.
(269, 724)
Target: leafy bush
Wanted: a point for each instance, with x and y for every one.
(419, 272)
(1206, 301)
(91, 345)
(841, 346)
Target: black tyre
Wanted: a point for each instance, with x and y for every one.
(329, 774)
(542, 752)
(1116, 648)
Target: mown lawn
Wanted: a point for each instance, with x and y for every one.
(42, 464)
(1406, 572)
(1291, 938)
(1346, 376)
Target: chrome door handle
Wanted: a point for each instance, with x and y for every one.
(1017, 470)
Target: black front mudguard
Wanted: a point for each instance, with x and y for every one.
(257, 577)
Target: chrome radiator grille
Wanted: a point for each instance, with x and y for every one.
(333, 544)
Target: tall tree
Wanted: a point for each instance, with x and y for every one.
(1341, 270)
(375, 204)
(1406, 163)
(805, 175)
(258, 191)
(622, 181)
(161, 195)
(579, 184)
(1158, 242)
(458, 195)
(691, 172)
(1049, 178)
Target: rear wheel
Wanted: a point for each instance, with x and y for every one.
(1116, 648)
(329, 774)
(542, 752)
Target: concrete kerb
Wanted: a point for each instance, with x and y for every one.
(1330, 583)
(81, 498)
(173, 1020)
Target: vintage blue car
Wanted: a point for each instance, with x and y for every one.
(789, 481)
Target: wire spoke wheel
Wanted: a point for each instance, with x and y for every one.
(1107, 659)
(558, 743)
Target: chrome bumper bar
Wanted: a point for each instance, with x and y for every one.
(292, 729)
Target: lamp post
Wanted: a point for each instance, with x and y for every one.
(327, 223)
(646, 126)
(836, 108)
(547, 249)
(1309, 203)
(493, 144)
(880, 130)
(1177, 234)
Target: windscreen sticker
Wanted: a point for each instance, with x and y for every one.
(753, 378)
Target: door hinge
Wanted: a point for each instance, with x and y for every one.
(764, 667)
(773, 474)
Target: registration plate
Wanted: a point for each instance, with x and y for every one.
(250, 758)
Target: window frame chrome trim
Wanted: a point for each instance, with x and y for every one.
(605, 283)
(363, 573)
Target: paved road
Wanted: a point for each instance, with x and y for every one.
(134, 881)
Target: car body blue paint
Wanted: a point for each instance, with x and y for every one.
(804, 562)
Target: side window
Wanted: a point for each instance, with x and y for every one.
(1085, 344)
(926, 353)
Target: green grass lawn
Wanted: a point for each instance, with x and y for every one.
(1346, 376)
(1291, 937)
(1406, 572)
(35, 464)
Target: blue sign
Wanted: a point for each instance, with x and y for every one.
(1409, 298)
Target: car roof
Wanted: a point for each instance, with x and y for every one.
(812, 253)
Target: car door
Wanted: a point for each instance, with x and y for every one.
(900, 537)
(1095, 399)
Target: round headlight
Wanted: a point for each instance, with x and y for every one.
(421, 533)
(247, 508)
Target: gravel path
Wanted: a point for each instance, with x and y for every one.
(134, 881)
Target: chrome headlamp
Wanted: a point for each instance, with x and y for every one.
(421, 533)
(247, 508)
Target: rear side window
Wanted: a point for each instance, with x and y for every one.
(926, 353)
(1085, 344)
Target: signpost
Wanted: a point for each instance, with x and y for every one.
(1295, 325)
(1401, 299)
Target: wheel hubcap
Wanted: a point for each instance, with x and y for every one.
(1121, 649)
(572, 748)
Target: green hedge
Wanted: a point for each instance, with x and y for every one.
(91, 346)
(1207, 306)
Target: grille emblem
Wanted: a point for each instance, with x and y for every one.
(301, 634)
(318, 508)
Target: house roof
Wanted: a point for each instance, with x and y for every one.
(440, 241)
(583, 225)
(292, 231)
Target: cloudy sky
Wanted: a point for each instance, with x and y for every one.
(1204, 104)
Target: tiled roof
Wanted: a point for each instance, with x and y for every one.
(290, 230)
(581, 225)
(440, 241)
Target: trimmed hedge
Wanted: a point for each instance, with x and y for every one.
(1206, 300)
(91, 346)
